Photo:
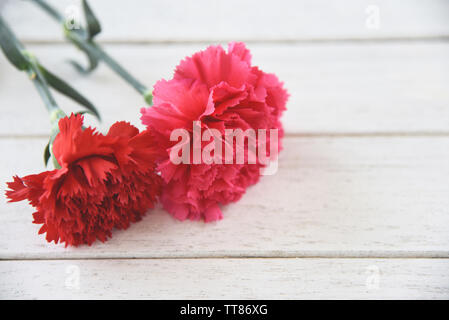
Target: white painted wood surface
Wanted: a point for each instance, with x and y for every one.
(362, 190)
(369, 197)
(335, 88)
(226, 279)
(250, 20)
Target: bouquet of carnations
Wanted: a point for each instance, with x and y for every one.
(211, 132)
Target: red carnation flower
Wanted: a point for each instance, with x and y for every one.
(105, 182)
(223, 91)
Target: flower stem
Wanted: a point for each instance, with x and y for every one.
(53, 109)
(42, 87)
(25, 61)
(77, 36)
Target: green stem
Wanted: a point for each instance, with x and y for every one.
(77, 37)
(53, 109)
(25, 61)
(42, 87)
(55, 112)
(142, 89)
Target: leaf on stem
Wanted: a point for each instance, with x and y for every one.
(64, 88)
(47, 153)
(93, 25)
(11, 47)
(78, 41)
(93, 63)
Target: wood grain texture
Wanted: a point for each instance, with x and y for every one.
(259, 20)
(344, 88)
(331, 197)
(362, 191)
(226, 279)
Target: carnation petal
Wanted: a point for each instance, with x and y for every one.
(73, 142)
(239, 49)
(18, 190)
(122, 129)
(233, 95)
(213, 66)
(213, 213)
(105, 182)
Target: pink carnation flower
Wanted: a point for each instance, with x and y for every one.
(223, 91)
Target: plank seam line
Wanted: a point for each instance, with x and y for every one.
(446, 257)
(436, 38)
(443, 134)
(394, 134)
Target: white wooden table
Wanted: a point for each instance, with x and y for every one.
(360, 205)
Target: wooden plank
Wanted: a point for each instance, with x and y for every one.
(331, 197)
(344, 88)
(259, 20)
(226, 279)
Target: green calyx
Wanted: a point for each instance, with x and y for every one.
(148, 97)
(55, 115)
